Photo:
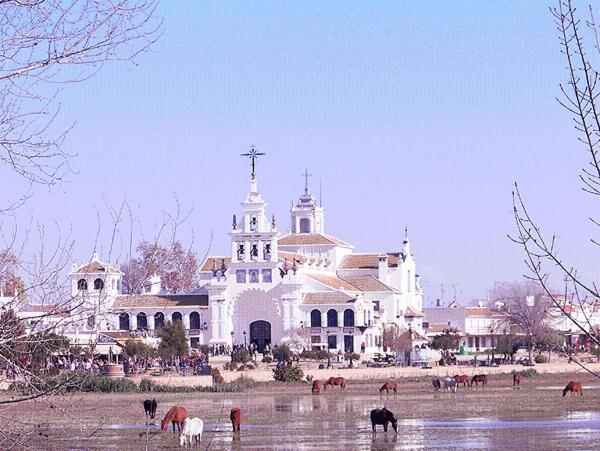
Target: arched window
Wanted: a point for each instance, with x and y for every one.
(176, 316)
(348, 318)
(142, 321)
(159, 320)
(194, 320)
(82, 285)
(315, 318)
(332, 318)
(98, 284)
(123, 321)
(305, 225)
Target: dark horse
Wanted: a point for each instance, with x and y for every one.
(236, 418)
(463, 379)
(389, 386)
(479, 378)
(573, 387)
(335, 381)
(437, 385)
(517, 381)
(150, 408)
(383, 416)
(176, 416)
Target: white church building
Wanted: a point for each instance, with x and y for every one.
(305, 287)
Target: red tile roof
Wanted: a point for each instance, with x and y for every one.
(367, 261)
(96, 267)
(368, 283)
(145, 300)
(332, 282)
(311, 239)
(327, 298)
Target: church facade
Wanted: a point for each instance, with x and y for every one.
(304, 287)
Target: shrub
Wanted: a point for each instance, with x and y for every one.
(282, 353)
(352, 356)
(249, 366)
(541, 359)
(321, 366)
(241, 356)
(529, 372)
(267, 359)
(216, 376)
(288, 374)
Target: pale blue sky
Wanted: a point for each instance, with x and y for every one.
(419, 114)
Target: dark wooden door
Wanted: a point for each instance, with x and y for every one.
(260, 334)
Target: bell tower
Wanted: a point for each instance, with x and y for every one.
(254, 239)
(306, 215)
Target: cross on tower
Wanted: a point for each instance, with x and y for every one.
(253, 155)
(306, 175)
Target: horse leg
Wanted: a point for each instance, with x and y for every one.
(385, 425)
(373, 426)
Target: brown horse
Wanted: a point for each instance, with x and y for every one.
(517, 381)
(176, 416)
(573, 387)
(316, 387)
(335, 381)
(479, 378)
(389, 386)
(236, 418)
(462, 379)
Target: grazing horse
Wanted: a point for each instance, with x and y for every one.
(517, 381)
(479, 378)
(384, 417)
(450, 384)
(462, 379)
(335, 381)
(573, 387)
(150, 408)
(437, 385)
(192, 432)
(389, 386)
(316, 387)
(175, 415)
(236, 418)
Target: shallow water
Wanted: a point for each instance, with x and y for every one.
(301, 422)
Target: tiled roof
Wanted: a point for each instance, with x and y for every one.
(333, 282)
(208, 263)
(368, 283)
(311, 239)
(176, 300)
(327, 297)
(412, 312)
(94, 267)
(367, 261)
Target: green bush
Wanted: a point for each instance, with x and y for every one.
(288, 374)
(229, 366)
(540, 358)
(241, 356)
(91, 382)
(282, 353)
(529, 372)
(267, 359)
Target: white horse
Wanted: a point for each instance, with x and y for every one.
(450, 384)
(192, 429)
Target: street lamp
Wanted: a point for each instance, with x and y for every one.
(232, 334)
(244, 338)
